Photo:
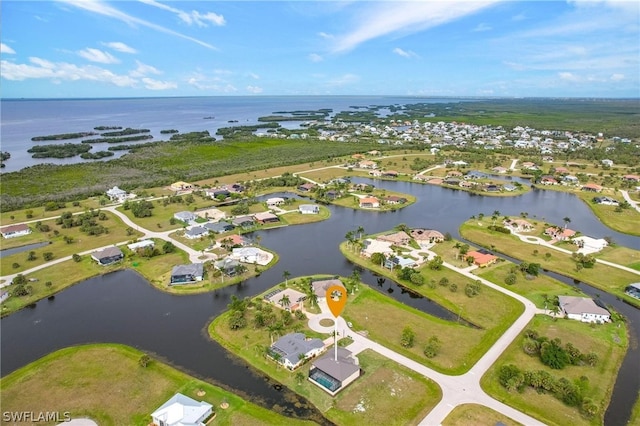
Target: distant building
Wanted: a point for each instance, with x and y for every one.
(309, 208)
(116, 194)
(13, 231)
(482, 259)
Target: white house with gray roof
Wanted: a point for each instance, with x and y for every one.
(331, 374)
(309, 208)
(582, 309)
(185, 216)
(292, 349)
(196, 232)
(185, 274)
(181, 410)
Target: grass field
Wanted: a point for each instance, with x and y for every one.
(615, 282)
(608, 341)
(474, 414)
(387, 393)
(625, 221)
(81, 242)
(39, 213)
(106, 384)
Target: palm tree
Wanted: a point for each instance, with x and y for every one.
(285, 301)
(360, 231)
(286, 274)
(349, 236)
(496, 215)
(566, 220)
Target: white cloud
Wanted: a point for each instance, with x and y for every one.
(101, 8)
(344, 80)
(616, 77)
(568, 76)
(152, 84)
(62, 71)
(144, 70)
(254, 89)
(326, 35)
(214, 84)
(253, 75)
(120, 47)
(96, 55)
(405, 53)
(519, 17)
(190, 18)
(481, 27)
(6, 49)
(403, 18)
(314, 57)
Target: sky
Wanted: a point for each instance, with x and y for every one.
(147, 48)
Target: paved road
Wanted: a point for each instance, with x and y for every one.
(456, 390)
(634, 204)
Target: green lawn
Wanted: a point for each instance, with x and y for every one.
(387, 393)
(608, 341)
(625, 221)
(105, 383)
(474, 414)
(81, 242)
(615, 282)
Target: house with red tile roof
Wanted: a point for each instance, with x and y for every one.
(591, 187)
(13, 231)
(369, 203)
(482, 259)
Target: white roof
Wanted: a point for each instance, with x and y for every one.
(181, 410)
(580, 305)
(141, 244)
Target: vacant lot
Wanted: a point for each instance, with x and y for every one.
(106, 383)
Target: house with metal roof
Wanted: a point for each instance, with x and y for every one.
(185, 274)
(181, 410)
(333, 374)
(293, 349)
(582, 309)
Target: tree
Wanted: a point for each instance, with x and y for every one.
(553, 355)
(144, 361)
(408, 337)
(360, 231)
(15, 265)
(436, 263)
(567, 221)
(168, 247)
(31, 256)
(349, 236)
(416, 278)
(286, 274)
(378, 259)
(76, 258)
(432, 347)
(19, 279)
(444, 281)
(510, 279)
(285, 302)
(47, 256)
(300, 377)
(237, 320)
(473, 289)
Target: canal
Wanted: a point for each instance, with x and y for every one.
(123, 308)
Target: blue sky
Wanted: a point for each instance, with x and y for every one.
(83, 48)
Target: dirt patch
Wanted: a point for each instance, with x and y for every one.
(327, 322)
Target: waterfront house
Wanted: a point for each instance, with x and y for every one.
(331, 374)
(499, 169)
(590, 245)
(233, 240)
(13, 231)
(508, 187)
(518, 225)
(400, 262)
(108, 256)
(369, 203)
(394, 199)
(306, 187)
(428, 235)
(320, 287)
(184, 274)
(292, 349)
(399, 238)
(309, 208)
(116, 194)
(606, 201)
(592, 187)
(370, 246)
(211, 214)
(548, 180)
(227, 266)
(275, 201)
(559, 234)
(582, 309)
(266, 217)
(481, 259)
(633, 290)
(390, 174)
(294, 297)
(181, 410)
(249, 255)
(185, 216)
(244, 222)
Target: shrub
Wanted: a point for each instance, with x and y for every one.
(511, 279)
(432, 348)
(408, 337)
